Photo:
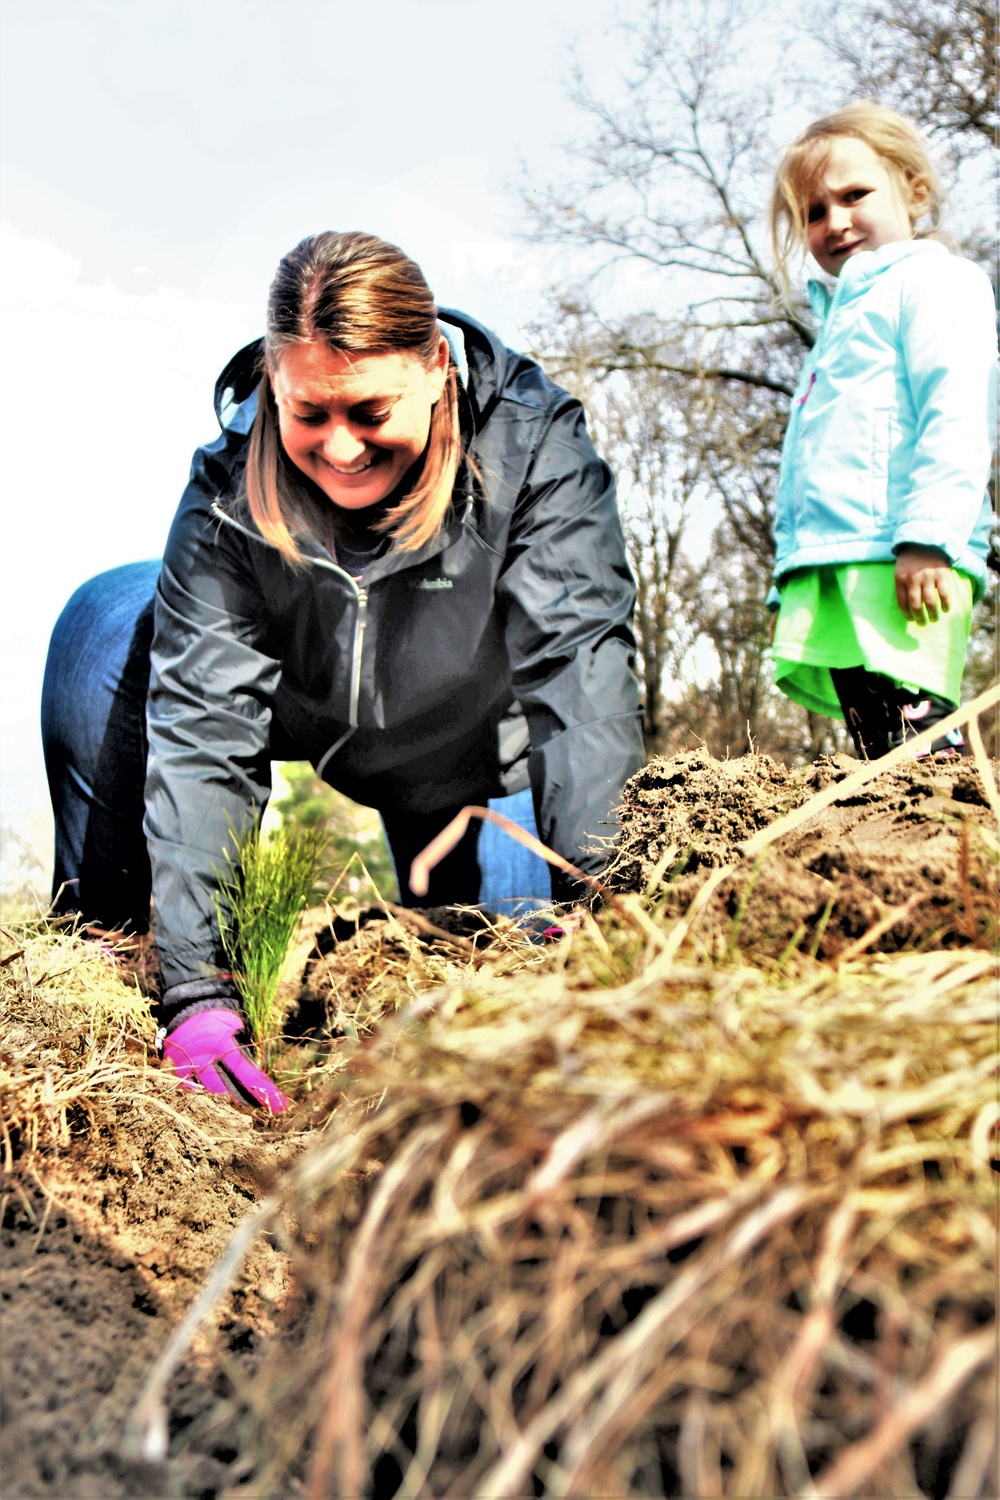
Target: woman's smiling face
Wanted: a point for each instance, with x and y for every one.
(356, 425)
(857, 203)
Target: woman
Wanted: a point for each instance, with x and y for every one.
(402, 561)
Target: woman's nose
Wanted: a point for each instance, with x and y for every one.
(342, 445)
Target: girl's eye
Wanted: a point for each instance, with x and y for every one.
(816, 212)
(856, 194)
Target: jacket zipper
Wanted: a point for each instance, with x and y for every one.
(360, 621)
(360, 624)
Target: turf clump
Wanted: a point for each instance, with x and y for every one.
(689, 1232)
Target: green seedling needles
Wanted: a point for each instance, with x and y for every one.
(261, 899)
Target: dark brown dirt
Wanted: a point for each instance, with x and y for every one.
(107, 1241)
(104, 1244)
(907, 843)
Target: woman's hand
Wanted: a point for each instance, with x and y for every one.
(205, 1043)
(210, 1049)
(923, 580)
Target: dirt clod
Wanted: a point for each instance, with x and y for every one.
(897, 842)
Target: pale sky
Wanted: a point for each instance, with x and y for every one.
(158, 157)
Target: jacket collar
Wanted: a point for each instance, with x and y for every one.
(864, 268)
(456, 345)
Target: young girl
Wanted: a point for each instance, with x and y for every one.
(882, 522)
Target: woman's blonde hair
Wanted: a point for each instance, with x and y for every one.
(357, 295)
(893, 138)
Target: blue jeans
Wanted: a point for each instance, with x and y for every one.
(94, 738)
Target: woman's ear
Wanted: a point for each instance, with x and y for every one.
(438, 371)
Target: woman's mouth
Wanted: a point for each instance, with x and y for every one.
(352, 472)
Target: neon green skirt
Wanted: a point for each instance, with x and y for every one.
(847, 616)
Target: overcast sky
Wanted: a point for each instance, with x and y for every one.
(158, 158)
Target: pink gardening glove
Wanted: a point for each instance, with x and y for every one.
(207, 1049)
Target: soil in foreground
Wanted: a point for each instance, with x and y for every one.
(110, 1224)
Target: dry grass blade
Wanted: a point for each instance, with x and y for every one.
(616, 1375)
(983, 765)
(447, 839)
(880, 928)
(910, 1411)
(339, 1449)
(146, 1428)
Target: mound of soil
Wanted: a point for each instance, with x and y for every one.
(107, 1240)
(902, 846)
(345, 956)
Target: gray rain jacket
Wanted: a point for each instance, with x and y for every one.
(501, 652)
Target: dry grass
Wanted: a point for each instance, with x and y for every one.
(616, 1216)
(76, 1049)
(635, 1227)
(70, 1032)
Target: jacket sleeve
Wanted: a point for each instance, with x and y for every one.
(567, 597)
(949, 346)
(208, 718)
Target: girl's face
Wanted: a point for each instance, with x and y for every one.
(858, 203)
(355, 426)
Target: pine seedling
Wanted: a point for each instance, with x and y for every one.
(259, 906)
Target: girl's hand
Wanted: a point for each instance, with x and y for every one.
(923, 578)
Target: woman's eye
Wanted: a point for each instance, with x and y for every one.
(311, 418)
(372, 418)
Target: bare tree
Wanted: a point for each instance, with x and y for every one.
(935, 60)
(657, 492)
(670, 187)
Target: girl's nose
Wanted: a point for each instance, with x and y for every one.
(838, 218)
(342, 445)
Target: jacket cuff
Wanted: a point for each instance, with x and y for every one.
(905, 546)
(181, 1001)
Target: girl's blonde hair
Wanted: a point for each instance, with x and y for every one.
(893, 138)
(357, 295)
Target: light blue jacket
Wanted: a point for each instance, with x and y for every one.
(892, 426)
